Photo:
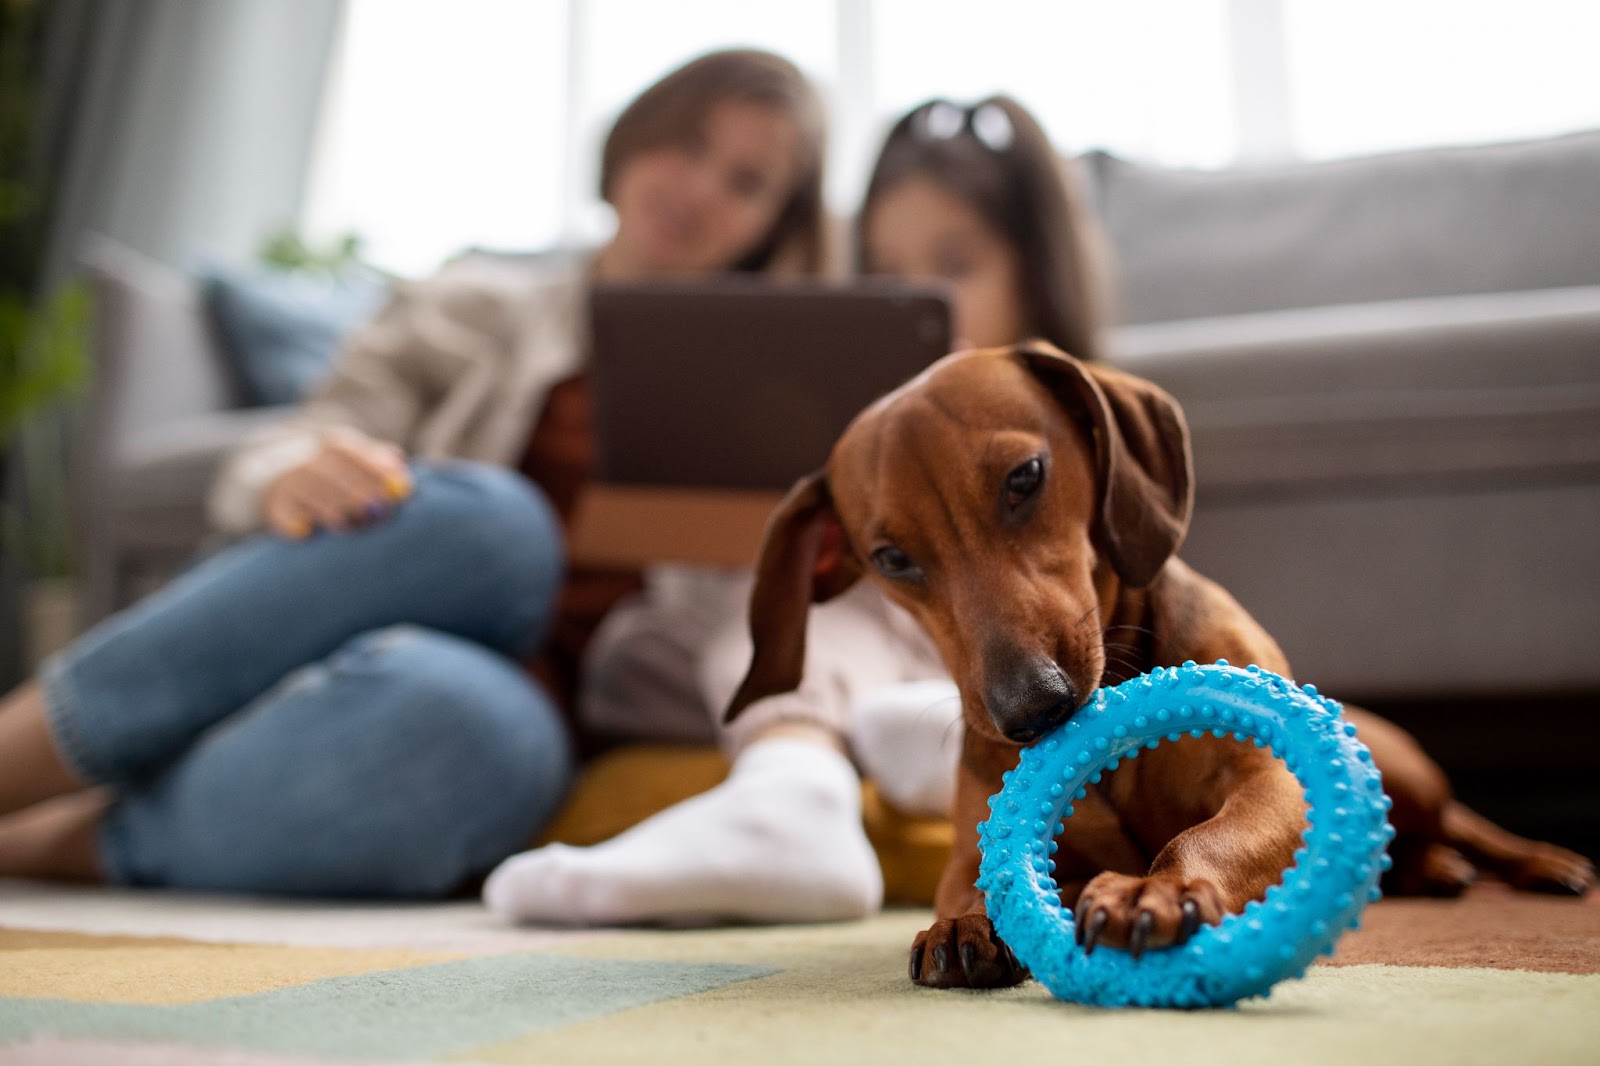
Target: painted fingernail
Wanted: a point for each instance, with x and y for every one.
(376, 510)
(299, 529)
(397, 486)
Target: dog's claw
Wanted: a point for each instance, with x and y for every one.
(969, 959)
(1191, 921)
(941, 958)
(1141, 933)
(1096, 925)
(916, 964)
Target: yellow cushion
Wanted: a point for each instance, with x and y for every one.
(627, 785)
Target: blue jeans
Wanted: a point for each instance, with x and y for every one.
(338, 716)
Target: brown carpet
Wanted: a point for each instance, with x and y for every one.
(1490, 926)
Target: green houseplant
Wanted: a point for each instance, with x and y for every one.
(43, 328)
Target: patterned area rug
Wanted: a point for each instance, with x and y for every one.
(132, 978)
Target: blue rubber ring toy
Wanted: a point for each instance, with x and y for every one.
(1334, 876)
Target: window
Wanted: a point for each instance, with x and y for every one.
(480, 122)
(444, 126)
(1373, 75)
(1149, 79)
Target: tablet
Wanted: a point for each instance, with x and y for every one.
(711, 399)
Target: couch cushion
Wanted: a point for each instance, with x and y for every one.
(158, 495)
(1430, 592)
(1484, 388)
(282, 330)
(1439, 222)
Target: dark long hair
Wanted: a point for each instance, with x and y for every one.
(674, 110)
(994, 156)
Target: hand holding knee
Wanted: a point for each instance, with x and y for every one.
(351, 481)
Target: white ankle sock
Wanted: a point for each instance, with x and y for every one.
(908, 738)
(779, 841)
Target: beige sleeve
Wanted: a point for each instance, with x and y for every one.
(389, 377)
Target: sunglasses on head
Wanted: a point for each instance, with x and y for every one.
(942, 120)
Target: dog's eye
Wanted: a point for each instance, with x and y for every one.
(1024, 481)
(894, 563)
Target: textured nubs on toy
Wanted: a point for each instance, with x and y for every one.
(1334, 875)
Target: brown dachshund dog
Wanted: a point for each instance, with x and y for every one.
(1025, 508)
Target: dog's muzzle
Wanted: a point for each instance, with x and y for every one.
(1028, 696)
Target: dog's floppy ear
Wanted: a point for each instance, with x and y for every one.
(1145, 465)
(804, 559)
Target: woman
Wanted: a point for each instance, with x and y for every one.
(334, 706)
(974, 198)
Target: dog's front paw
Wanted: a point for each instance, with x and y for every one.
(1136, 913)
(964, 952)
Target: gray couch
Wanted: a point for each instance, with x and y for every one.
(1391, 366)
(162, 409)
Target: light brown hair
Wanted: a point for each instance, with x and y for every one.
(996, 158)
(674, 110)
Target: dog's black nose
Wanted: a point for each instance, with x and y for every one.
(1027, 696)
(1028, 732)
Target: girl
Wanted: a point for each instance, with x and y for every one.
(975, 198)
(333, 706)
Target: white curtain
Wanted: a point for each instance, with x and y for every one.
(188, 123)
